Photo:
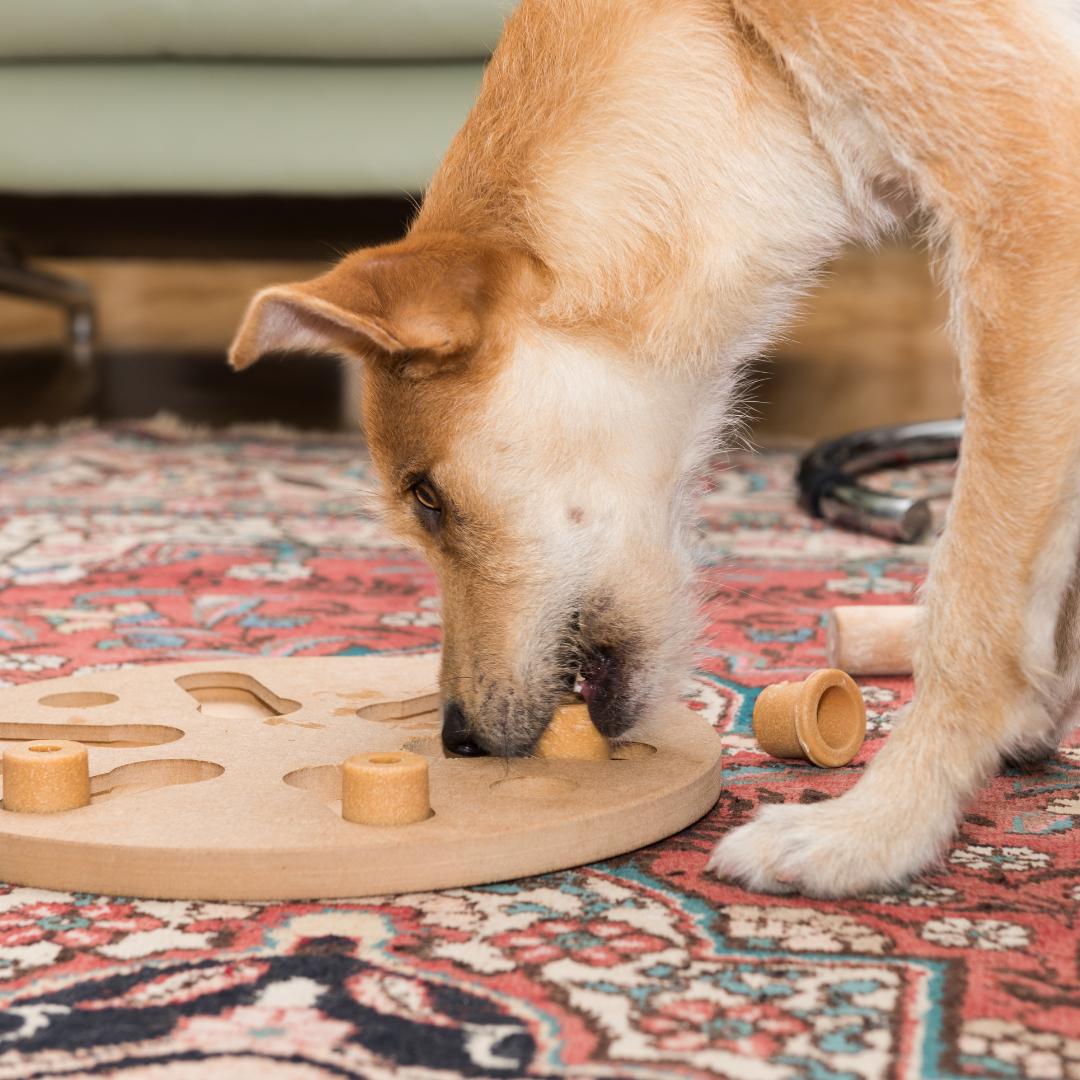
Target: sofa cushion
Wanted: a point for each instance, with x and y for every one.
(293, 29)
(206, 128)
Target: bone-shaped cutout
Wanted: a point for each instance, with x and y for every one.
(399, 710)
(229, 695)
(146, 775)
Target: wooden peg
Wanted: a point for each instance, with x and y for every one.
(822, 719)
(872, 640)
(45, 777)
(385, 787)
(572, 734)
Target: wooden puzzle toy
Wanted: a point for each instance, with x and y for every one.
(272, 779)
(868, 640)
(822, 719)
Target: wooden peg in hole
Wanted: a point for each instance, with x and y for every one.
(572, 735)
(822, 719)
(385, 787)
(46, 776)
(872, 639)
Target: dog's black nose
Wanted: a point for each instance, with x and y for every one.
(456, 736)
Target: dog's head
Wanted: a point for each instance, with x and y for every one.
(541, 469)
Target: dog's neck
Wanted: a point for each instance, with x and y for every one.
(641, 177)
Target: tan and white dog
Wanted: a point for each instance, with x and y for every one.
(634, 206)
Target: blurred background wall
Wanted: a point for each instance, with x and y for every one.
(177, 156)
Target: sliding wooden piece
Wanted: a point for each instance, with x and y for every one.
(384, 787)
(45, 777)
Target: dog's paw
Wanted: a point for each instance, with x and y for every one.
(824, 850)
(753, 855)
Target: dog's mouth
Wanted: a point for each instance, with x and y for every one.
(601, 685)
(508, 721)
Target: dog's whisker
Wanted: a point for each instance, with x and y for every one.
(745, 592)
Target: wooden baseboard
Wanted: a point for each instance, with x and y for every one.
(870, 348)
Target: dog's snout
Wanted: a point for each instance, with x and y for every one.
(457, 733)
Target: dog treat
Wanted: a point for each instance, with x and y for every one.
(872, 640)
(45, 777)
(571, 734)
(822, 719)
(385, 787)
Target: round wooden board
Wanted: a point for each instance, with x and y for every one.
(222, 781)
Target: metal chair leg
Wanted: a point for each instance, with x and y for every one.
(75, 297)
(73, 390)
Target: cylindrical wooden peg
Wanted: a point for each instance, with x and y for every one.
(385, 787)
(822, 719)
(572, 734)
(872, 640)
(46, 776)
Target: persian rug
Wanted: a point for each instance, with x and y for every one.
(142, 544)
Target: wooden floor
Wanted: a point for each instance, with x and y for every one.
(869, 350)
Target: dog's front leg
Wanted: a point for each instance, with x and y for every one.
(997, 158)
(985, 671)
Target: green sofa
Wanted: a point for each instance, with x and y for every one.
(285, 97)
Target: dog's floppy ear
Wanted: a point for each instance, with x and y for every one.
(394, 301)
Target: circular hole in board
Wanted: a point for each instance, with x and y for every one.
(534, 787)
(406, 825)
(80, 699)
(323, 780)
(43, 749)
(632, 751)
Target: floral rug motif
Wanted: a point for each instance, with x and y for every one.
(145, 543)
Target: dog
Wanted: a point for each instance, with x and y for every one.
(633, 209)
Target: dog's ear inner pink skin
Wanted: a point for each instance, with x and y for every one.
(392, 300)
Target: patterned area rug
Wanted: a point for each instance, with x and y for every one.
(143, 544)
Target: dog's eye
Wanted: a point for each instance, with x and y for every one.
(425, 495)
